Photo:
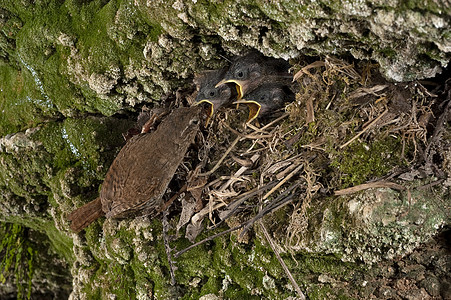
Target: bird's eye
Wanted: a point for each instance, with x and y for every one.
(240, 74)
(211, 93)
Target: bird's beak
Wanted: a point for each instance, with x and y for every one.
(211, 109)
(254, 108)
(241, 85)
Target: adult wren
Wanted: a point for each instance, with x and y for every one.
(139, 176)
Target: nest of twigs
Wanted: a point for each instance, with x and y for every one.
(240, 174)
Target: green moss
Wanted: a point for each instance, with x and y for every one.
(107, 39)
(212, 285)
(84, 143)
(325, 291)
(388, 52)
(22, 104)
(360, 162)
(94, 41)
(108, 35)
(61, 242)
(122, 281)
(66, 165)
(18, 258)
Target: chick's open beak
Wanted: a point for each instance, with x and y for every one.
(241, 85)
(211, 109)
(254, 108)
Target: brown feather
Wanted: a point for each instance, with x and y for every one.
(85, 215)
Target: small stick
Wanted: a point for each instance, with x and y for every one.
(255, 128)
(177, 254)
(316, 64)
(238, 173)
(429, 185)
(287, 170)
(233, 206)
(221, 160)
(205, 211)
(256, 137)
(167, 247)
(280, 202)
(378, 184)
(283, 181)
(231, 129)
(364, 129)
(438, 129)
(262, 130)
(167, 204)
(282, 263)
(275, 121)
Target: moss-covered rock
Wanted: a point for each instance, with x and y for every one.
(374, 225)
(104, 56)
(72, 75)
(46, 169)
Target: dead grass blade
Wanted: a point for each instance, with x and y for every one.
(168, 249)
(218, 164)
(360, 92)
(275, 167)
(377, 184)
(335, 65)
(283, 181)
(310, 117)
(304, 70)
(440, 126)
(177, 254)
(364, 129)
(234, 205)
(238, 173)
(274, 205)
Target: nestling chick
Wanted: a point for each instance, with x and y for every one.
(266, 99)
(254, 69)
(216, 97)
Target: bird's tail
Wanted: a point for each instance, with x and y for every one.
(85, 215)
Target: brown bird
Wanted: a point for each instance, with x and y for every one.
(216, 97)
(266, 99)
(137, 179)
(253, 70)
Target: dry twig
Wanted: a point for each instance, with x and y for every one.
(238, 173)
(233, 206)
(282, 182)
(304, 70)
(177, 254)
(282, 263)
(364, 129)
(168, 249)
(221, 160)
(377, 184)
(274, 205)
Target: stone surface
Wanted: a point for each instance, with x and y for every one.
(373, 225)
(74, 73)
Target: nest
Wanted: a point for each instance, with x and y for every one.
(268, 173)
